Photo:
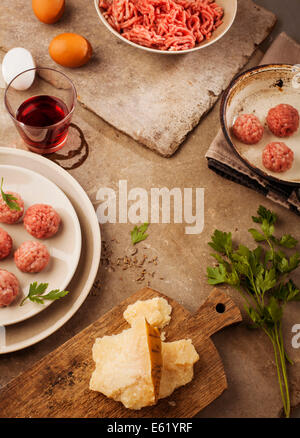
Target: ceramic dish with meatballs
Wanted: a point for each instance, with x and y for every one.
(260, 120)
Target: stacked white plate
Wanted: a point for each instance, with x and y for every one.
(75, 250)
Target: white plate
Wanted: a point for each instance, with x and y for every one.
(64, 247)
(18, 336)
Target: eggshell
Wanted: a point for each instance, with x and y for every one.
(16, 61)
(48, 11)
(70, 50)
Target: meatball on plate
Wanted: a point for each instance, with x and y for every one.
(9, 288)
(32, 257)
(261, 124)
(41, 221)
(5, 244)
(9, 215)
(43, 246)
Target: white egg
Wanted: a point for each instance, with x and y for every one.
(16, 61)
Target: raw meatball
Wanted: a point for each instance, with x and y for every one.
(32, 257)
(277, 157)
(7, 215)
(41, 221)
(283, 120)
(9, 288)
(248, 129)
(5, 244)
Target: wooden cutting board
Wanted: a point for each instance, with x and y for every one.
(58, 385)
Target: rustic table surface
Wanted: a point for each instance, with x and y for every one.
(182, 259)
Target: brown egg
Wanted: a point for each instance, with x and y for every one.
(48, 11)
(70, 50)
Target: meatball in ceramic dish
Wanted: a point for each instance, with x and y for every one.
(283, 120)
(277, 157)
(248, 129)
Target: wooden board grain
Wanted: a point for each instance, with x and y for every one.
(58, 385)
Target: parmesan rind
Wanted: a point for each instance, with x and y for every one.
(127, 369)
(154, 344)
(179, 358)
(157, 312)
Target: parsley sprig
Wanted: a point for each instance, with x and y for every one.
(261, 276)
(9, 200)
(139, 233)
(36, 292)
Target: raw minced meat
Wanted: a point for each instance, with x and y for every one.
(9, 216)
(283, 120)
(5, 244)
(32, 257)
(164, 24)
(248, 129)
(9, 288)
(277, 157)
(41, 221)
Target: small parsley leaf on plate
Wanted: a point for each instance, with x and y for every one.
(36, 293)
(9, 200)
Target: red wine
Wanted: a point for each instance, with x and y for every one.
(39, 114)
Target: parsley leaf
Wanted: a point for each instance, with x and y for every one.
(265, 214)
(286, 292)
(285, 264)
(275, 310)
(36, 292)
(217, 275)
(138, 233)
(221, 242)
(266, 280)
(254, 316)
(257, 236)
(287, 241)
(9, 199)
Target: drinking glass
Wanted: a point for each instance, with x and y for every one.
(42, 113)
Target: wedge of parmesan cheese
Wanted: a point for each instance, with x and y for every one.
(135, 367)
(179, 358)
(157, 312)
(129, 365)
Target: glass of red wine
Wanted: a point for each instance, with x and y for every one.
(42, 113)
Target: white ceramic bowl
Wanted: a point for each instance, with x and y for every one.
(230, 9)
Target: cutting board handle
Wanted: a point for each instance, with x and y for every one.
(217, 312)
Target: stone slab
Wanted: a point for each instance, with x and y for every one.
(155, 99)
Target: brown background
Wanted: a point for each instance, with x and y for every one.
(182, 259)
